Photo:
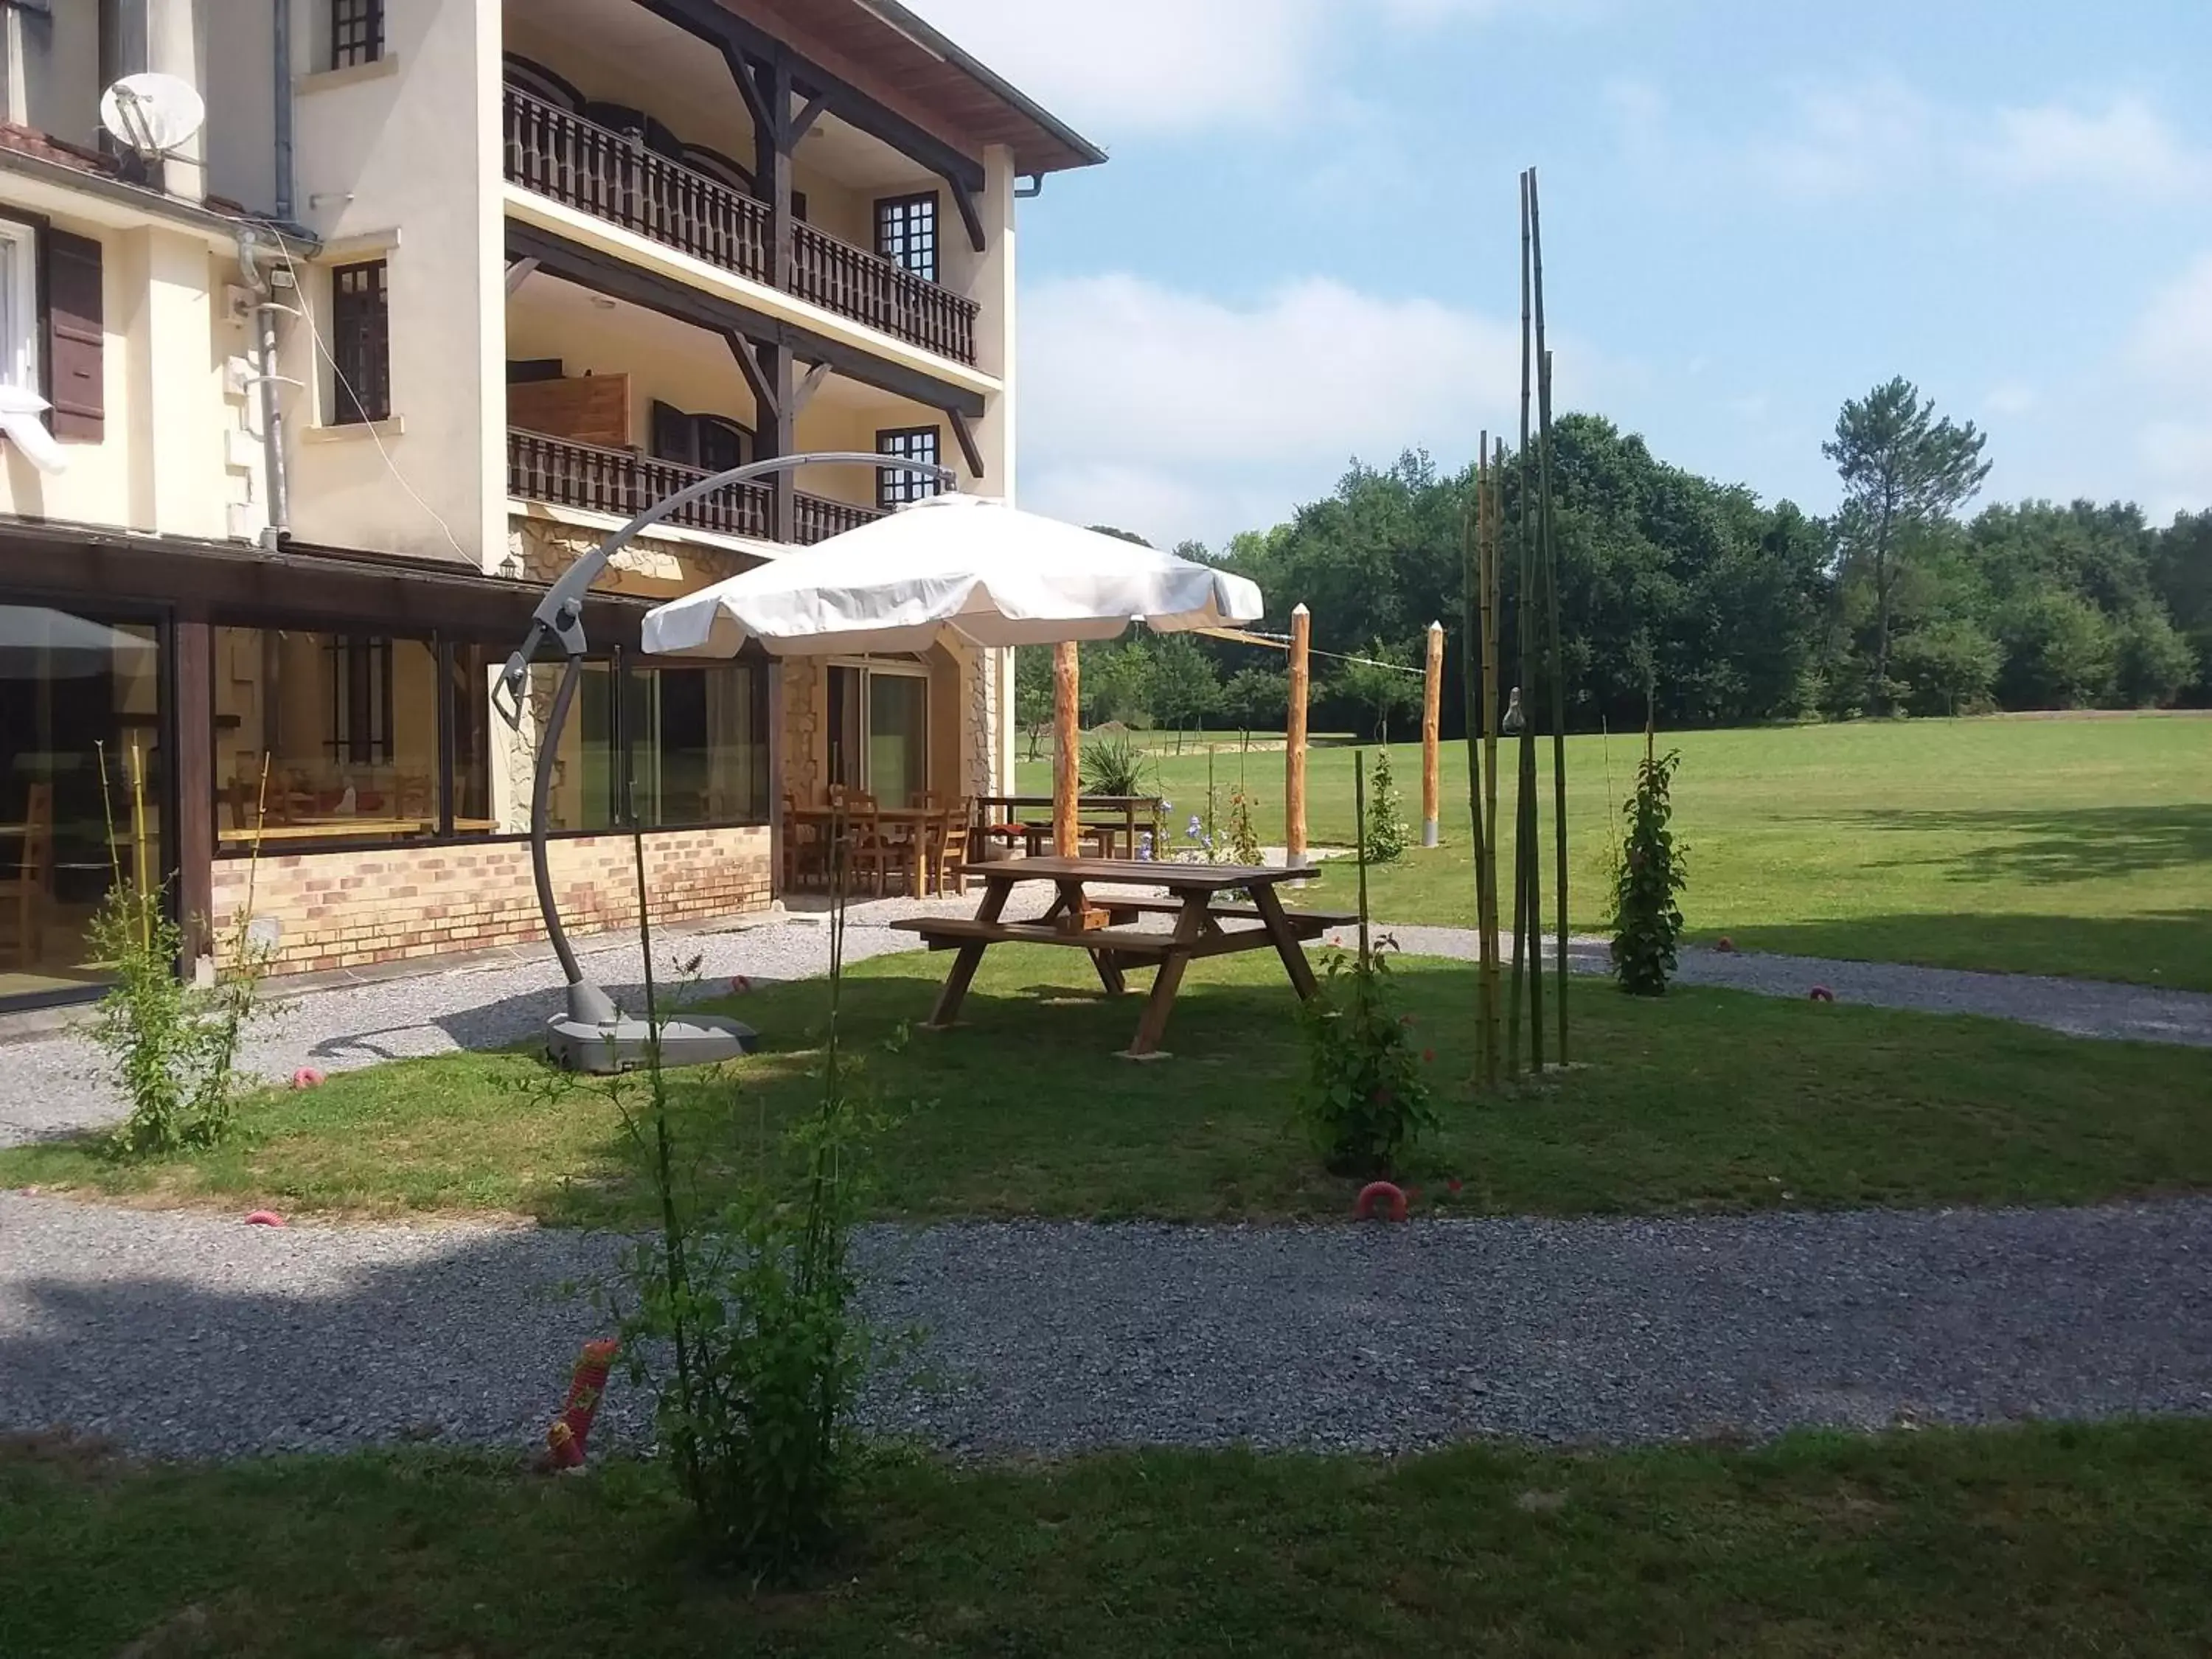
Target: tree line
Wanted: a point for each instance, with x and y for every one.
(1693, 599)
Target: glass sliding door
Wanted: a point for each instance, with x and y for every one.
(879, 730)
(898, 737)
(83, 785)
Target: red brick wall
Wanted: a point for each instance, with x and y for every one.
(352, 909)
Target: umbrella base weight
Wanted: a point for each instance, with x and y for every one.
(624, 1045)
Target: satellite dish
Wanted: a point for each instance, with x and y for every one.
(153, 113)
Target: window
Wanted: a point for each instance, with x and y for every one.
(19, 306)
(356, 32)
(917, 443)
(906, 233)
(685, 746)
(713, 443)
(361, 343)
(879, 730)
(328, 736)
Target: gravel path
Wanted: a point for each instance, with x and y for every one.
(193, 1334)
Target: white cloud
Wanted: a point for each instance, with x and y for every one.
(2127, 146)
(1173, 64)
(2012, 398)
(1176, 415)
(1844, 140)
(2173, 339)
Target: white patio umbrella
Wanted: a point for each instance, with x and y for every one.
(974, 566)
(967, 565)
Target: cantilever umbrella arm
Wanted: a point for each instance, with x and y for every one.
(559, 621)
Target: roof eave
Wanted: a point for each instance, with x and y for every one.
(1081, 151)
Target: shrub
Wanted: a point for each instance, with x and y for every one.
(754, 1306)
(1367, 1096)
(1115, 764)
(1647, 922)
(1242, 837)
(175, 1045)
(1386, 829)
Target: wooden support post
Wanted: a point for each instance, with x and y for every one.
(1294, 749)
(192, 780)
(1432, 707)
(1067, 762)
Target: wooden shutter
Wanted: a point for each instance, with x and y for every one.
(75, 338)
(675, 434)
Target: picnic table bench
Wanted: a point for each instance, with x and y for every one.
(1104, 926)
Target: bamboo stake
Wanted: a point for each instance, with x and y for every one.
(1432, 708)
(1528, 901)
(1294, 757)
(1547, 530)
(1473, 523)
(1493, 529)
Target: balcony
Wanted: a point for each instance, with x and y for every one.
(614, 176)
(623, 482)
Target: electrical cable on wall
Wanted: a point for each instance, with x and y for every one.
(307, 315)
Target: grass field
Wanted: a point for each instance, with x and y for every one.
(1711, 1100)
(1991, 1544)
(2068, 846)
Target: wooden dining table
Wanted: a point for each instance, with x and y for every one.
(1208, 922)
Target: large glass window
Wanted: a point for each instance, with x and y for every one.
(693, 746)
(81, 783)
(324, 736)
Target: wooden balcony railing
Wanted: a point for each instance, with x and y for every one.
(622, 483)
(613, 176)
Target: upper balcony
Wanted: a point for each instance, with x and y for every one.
(696, 200)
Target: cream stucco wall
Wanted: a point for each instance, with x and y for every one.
(404, 164)
(174, 423)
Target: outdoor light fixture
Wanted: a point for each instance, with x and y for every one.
(1515, 722)
(593, 1035)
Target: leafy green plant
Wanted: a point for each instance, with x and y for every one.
(1386, 828)
(1241, 837)
(1115, 764)
(1647, 922)
(174, 1045)
(1367, 1095)
(754, 1301)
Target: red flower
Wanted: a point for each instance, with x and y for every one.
(1428, 1056)
(1453, 1183)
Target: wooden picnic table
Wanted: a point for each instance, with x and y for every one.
(1102, 925)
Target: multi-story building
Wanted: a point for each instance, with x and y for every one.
(440, 292)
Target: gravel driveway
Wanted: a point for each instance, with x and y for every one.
(194, 1335)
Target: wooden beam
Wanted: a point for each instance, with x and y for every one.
(617, 278)
(971, 214)
(964, 435)
(193, 779)
(803, 122)
(777, 438)
(1294, 755)
(741, 72)
(738, 38)
(756, 381)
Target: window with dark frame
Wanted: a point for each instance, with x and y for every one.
(913, 443)
(906, 233)
(361, 343)
(361, 700)
(356, 32)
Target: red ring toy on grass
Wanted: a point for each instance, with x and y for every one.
(1822, 993)
(306, 1078)
(1725, 946)
(264, 1218)
(1363, 1206)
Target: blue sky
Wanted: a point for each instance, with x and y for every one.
(1303, 248)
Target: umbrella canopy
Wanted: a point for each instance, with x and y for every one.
(37, 642)
(975, 567)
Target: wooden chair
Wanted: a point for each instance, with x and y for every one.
(947, 851)
(806, 846)
(34, 869)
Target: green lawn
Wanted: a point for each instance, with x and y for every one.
(1710, 1100)
(1991, 1544)
(2074, 846)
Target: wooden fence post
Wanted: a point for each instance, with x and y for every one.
(1433, 704)
(1294, 748)
(1067, 762)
